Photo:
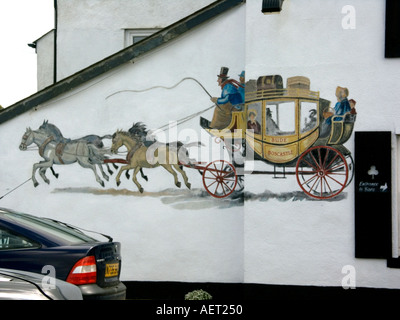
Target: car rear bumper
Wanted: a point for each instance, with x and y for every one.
(94, 292)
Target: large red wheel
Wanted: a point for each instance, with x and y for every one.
(322, 172)
(219, 178)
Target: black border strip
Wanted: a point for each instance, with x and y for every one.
(165, 290)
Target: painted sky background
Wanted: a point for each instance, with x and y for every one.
(21, 22)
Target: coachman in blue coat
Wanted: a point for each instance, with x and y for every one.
(230, 97)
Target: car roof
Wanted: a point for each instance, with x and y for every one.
(25, 224)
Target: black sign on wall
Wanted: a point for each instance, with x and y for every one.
(392, 31)
(373, 194)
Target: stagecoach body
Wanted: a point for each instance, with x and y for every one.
(286, 127)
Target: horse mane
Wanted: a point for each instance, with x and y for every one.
(51, 129)
(128, 135)
(138, 129)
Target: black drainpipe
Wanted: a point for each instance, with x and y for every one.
(55, 42)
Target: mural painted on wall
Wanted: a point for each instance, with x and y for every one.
(291, 129)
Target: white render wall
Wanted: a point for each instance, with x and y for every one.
(45, 60)
(90, 30)
(309, 242)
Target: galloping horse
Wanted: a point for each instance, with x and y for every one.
(96, 140)
(140, 156)
(87, 155)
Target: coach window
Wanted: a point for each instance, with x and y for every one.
(280, 118)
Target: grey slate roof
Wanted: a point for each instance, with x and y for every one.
(134, 51)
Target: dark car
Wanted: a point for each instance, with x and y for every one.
(43, 245)
(22, 285)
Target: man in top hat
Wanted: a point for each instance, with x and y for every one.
(230, 97)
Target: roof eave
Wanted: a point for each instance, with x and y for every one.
(128, 54)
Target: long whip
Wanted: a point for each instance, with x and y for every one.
(163, 87)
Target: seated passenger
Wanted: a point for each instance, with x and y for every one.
(241, 89)
(342, 107)
(353, 106)
(312, 123)
(253, 124)
(272, 128)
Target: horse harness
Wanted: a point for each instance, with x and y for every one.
(132, 151)
(59, 148)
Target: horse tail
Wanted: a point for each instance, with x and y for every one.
(107, 136)
(183, 152)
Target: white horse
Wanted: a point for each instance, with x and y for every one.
(53, 152)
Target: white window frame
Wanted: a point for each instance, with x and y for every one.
(130, 33)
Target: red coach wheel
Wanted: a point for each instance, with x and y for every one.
(219, 178)
(322, 172)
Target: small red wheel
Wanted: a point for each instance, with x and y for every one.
(322, 172)
(219, 178)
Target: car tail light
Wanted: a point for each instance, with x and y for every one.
(84, 271)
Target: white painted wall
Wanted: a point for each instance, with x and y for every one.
(303, 242)
(90, 30)
(168, 236)
(45, 60)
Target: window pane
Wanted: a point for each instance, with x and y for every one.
(137, 39)
(280, 118)
(133, 36)
(9, 240)
(308, 117)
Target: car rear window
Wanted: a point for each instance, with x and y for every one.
(11, 241)
(71, 235)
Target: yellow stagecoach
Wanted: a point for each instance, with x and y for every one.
(292, 127)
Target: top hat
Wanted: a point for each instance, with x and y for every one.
(223, 72)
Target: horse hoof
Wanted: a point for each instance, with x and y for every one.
(189, 186)
(141, 190)
(118, 183)
(145, 178)
(35, 184)
(102, 184)
(178, 184)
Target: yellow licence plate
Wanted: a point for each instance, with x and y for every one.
(112, 269)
